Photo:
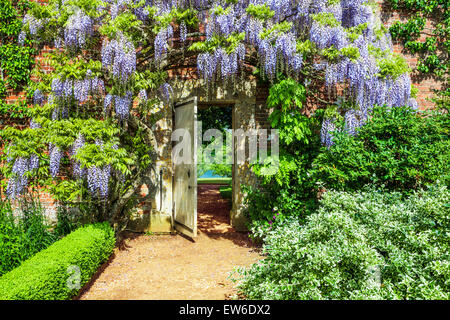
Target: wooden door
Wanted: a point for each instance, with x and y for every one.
(185, 168)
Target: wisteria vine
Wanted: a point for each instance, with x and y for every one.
(343, 40)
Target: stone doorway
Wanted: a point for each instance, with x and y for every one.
(155, 211)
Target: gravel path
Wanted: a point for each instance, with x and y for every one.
(175, 267)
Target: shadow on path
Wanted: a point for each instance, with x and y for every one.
(171, 267)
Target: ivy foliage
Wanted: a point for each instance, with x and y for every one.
(10, 25)
(16, 62)
(409, 32)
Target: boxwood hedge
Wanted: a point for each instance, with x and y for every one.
(58, 272)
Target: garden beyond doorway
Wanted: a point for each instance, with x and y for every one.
(215, 179)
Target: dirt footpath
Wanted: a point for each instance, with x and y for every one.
(175, 267)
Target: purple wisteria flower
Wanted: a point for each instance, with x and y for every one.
(79, 28)
(78, 171)
(166, 92)
(120, 56)
(55, 159)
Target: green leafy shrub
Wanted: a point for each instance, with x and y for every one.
(400, 149)
(16, 62)
(23, 236)
(366, 245)
(313, 263)
(226, 192)
(285, 181)
(47, 275)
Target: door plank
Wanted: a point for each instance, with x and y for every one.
(185, 174)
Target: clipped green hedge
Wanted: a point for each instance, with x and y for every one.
(52, 273)
(226, 192)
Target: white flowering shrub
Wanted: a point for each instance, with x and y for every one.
(367, 245)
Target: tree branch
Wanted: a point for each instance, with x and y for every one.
(142, 175)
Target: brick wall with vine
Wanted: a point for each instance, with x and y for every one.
(419, 30)
(412, 23)
(16, 63)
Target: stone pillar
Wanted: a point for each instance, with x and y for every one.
(244, 119)
(154, 210)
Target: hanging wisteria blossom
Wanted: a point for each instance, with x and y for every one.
(120, 56)
(38, 97)
(123, 104)
(183, 32)
(78, 29)
(19, 180)
(55, 159)
(97, 177)
(328, 127)
(78, 171)
(166, 92)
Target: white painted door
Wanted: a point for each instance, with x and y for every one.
(184, 159)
